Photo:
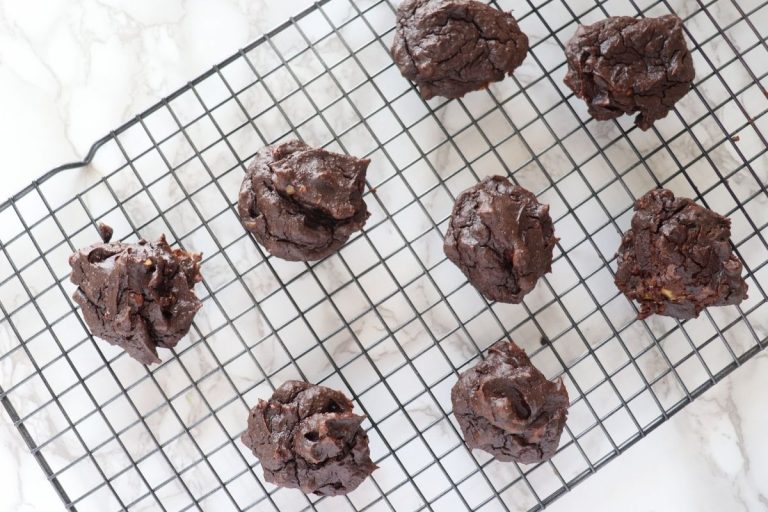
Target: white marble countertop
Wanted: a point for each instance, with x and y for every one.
(70, 70)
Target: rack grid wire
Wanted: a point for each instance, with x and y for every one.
(388, 319)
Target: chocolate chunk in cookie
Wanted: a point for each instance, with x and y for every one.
(307, 438)
(137, 296)
(302, 203)
(623, 65)
(505, 406)
(451, 47)
(676, 259)
(105, 232)
(501, 238)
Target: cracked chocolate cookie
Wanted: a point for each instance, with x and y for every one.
(505, 406)
(137, 296)
(302, 203)
(501, 238)
(676, 259)
(307, 438)
(623, 65)
(451, 47)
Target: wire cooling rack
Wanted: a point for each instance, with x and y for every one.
(388, 319)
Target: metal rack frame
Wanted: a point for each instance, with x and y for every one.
(616, 400)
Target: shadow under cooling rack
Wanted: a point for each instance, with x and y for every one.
(388, 319)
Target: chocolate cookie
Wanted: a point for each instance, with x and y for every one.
(676, 259)
(622, 65)
(505, 406)
(307, 438)
(501, 238)
(302, 203)
(137, 296)
(451, 47)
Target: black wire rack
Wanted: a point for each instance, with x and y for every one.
(388, 319)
